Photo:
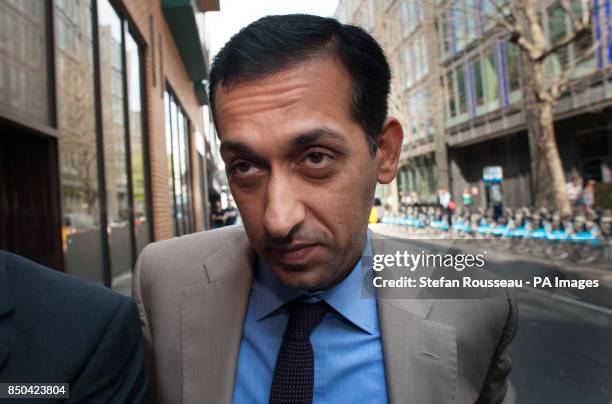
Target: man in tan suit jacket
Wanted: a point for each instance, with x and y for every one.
(300, 105)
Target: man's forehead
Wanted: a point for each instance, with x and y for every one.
(284, 78)
(318, 79)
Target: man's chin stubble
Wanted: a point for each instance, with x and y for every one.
(294, 277)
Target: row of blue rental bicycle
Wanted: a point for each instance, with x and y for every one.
(584, 237)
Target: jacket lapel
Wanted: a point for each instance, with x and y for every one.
(420, 355)
(212, 321)
(6, 303)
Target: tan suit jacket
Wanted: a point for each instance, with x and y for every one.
(192, 293)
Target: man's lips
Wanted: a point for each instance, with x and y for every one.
(292, 254)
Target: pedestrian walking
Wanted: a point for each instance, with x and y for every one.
(217, 216)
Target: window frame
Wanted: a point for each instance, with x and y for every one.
(186, 223)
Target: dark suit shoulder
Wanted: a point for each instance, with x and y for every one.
(32, 283)
(58, 322)
(63, 329)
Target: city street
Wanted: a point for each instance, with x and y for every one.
(563, 351)
(475, 134)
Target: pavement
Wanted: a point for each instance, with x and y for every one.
(123, 283)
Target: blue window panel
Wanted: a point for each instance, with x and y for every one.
(500, 67)
(609, 29)
(597, 27)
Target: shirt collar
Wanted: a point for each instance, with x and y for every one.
(269, 294)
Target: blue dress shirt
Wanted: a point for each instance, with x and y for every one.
(347, 345)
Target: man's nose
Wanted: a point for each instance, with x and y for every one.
(284, 209)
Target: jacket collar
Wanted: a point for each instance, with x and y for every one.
(420, 355)
(212, 319)
(235, 255)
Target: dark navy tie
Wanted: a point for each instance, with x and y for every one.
(293, 380)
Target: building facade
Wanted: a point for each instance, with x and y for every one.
(458, 87)
(103, 141)
(407, 33)
(489, 112)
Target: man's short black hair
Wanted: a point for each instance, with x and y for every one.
(278, 42)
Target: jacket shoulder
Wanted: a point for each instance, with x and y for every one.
(200, 243)
(180, 261)
(58, 317)
(57, 289)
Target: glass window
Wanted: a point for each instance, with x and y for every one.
(182, 173)
(407, 16)
(470, 15)
(24, 74)
(450, 83)
(424, 55)
(134, 76)
(414, 124)
(458, 24)
(461, 94)
(416, 62)
(512, 71)
(421, 111)
(557, 29)
(491, 82)
(370, 17)
(169, 154)
(418, 12)
(179, 164)
(404, 17)
(478, 84)
(408, 66)
(582, 45)
(446, 32)
(412, 117)
(176, 167)
(114, 136)
(488, 14)
(81, 234)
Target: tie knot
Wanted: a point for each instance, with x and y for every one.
(303, 318)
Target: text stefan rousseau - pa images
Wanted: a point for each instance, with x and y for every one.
(411, 261)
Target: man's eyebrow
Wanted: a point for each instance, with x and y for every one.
(236, 147)
(314, 135)
(300, 141)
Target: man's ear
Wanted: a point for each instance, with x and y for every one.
(388, 151)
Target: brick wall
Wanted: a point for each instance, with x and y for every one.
(168, 67)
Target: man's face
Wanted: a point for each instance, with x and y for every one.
(300, 170)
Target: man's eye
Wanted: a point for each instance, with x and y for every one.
(318, 159)
(244, 168)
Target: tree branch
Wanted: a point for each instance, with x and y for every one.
(585, 17)
(563, 42)
(510, 22)
(567, 7)
(564, 79)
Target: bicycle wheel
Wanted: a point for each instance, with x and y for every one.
(557, 251)
(586, 254)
